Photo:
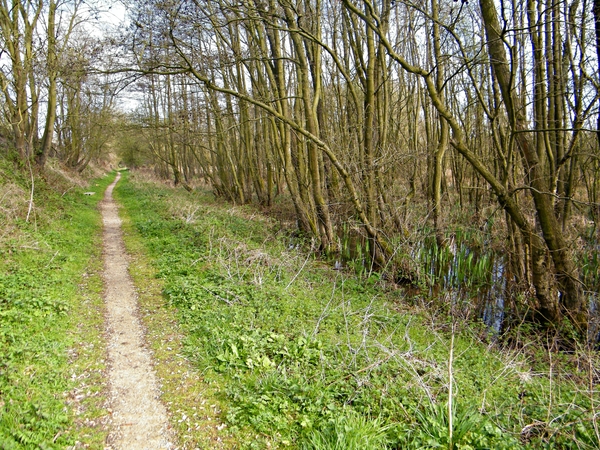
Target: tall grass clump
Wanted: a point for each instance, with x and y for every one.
(459, 263)
(303, 356)
(348, 432)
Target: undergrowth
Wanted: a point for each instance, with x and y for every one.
(303, 356)
(50, 312)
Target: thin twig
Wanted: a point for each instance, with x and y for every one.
(63, 194)
(373, 365)
(52, 259)
(322, 316)
(229, 302)
(296, 276)
(32, 189)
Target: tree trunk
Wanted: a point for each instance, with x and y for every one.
(44, 149)
(567, 280)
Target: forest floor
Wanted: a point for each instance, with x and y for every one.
(177, 320)
(138, 418)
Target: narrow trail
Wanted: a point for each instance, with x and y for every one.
(139, 420)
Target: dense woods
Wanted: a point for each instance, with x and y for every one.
(394, 124)
(351, 224)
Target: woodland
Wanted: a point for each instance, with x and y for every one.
(388, 130)
(445, 150)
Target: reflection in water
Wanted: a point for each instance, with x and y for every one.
(471, 277)
(493, 310)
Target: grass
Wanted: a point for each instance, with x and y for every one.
(288, 353)
(51, 322)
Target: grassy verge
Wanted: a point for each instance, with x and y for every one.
(51, 320)
(286, 352)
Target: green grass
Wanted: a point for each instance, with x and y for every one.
(51, 323)
(296, 355)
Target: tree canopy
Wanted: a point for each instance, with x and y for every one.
(392, 119)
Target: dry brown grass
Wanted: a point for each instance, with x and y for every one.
(13, 203)
(22, 192)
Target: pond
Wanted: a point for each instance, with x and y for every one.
(468, 273)
(471, 278)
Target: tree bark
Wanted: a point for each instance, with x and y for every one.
(52, 62)
(571, 300)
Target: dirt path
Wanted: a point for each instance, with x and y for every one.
(139, 419)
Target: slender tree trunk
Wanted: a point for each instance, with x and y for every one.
(553, 239)
(443, 139)
(328, 242)
(44, 150)
(597, 30)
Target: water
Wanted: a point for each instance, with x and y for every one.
(493, 309)
(470, 277)
(473, 281)
(594, 323)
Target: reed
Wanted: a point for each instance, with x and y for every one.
(455, 265)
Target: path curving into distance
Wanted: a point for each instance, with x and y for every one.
(138, 418)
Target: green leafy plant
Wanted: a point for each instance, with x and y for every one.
(470, 430)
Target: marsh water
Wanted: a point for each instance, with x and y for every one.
(474, 279)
